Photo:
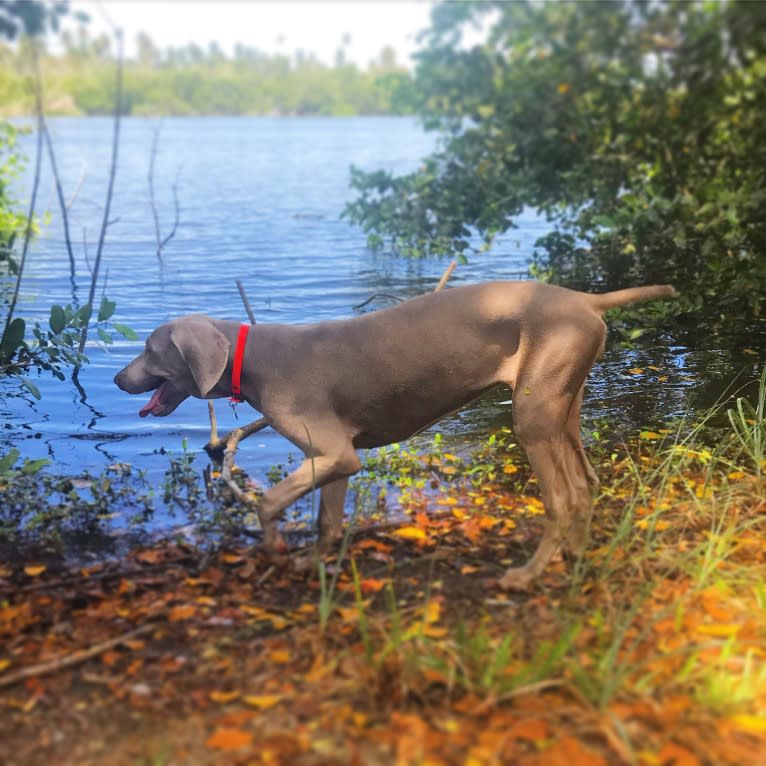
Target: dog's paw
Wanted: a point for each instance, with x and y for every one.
(516, 580)
(304, 562)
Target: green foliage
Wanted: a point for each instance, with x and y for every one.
(30, 17)
(637, 128)
(190, 80)
(55, 348)
(12, 222)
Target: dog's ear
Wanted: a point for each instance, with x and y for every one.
(204, 349)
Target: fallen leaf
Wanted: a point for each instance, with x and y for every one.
(752, 724)
(531, 729)
(150, 556)
(372, 585)
(280, 656)
(410, 533)
(721, 630)
(262, 701)
(34, 570)
(181, 612)
(676, 755)
(229, 739)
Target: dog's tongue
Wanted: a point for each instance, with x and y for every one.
(153, 402)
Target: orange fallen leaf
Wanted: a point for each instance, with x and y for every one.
(33, 570)
(229, 739)
(181, 612)
(374, 544)
(262, 701)
(280, 656)
(531, 729)
(677, 755)
(636, 371)
(149, 556)
(223, 697)
(110, 658)
(410, 533)
(372, 585)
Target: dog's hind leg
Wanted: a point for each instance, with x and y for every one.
(544, 403)
(585, 481)
(331, 502)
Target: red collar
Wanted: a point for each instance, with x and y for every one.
(236, 370)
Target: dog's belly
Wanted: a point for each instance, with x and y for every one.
(395, 419)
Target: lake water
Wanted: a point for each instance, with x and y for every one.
(260, 201)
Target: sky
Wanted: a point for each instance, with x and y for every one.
(315, 26)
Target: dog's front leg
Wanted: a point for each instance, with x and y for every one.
(330, 473)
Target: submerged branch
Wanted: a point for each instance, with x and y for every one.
(161, 243)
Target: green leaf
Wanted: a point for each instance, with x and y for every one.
(106, 309)
(105, 336)
(13, 337)
(8, 461)
(125, 331)
(57, 320)
(33, 466)
(84, 314)
(31, 387)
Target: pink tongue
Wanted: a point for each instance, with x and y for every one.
(153, 402)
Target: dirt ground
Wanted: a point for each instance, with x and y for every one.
(407, 653)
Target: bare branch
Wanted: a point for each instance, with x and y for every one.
(177, 210)
(110, 188)
(445, 277)
(243, 295)
(153, 202)
(59, 194)
(78, 657)
(33, 198)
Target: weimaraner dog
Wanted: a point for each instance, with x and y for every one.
(375, 379)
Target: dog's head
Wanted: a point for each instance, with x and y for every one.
(185, 357)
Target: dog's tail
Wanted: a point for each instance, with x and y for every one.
(604, 301)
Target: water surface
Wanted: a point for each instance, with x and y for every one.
(260, 200)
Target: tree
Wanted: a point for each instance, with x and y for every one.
(636, 127)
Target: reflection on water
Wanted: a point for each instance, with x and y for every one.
(260, 201)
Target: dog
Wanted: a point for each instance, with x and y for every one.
(337, 386)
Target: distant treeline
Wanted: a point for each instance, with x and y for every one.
(191, 80)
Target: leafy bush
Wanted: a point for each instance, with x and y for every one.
(638, 129)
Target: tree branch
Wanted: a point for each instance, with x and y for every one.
(110, 188)
(33, 198)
